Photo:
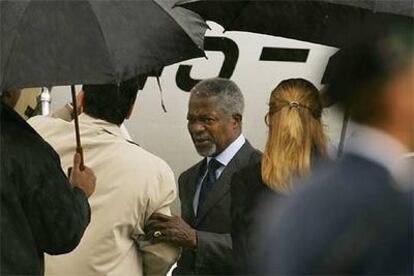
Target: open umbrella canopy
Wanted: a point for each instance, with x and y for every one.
(68, 42)
(62, 42)
(329, 22)
(397, 7)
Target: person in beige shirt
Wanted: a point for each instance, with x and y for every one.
(132, 185)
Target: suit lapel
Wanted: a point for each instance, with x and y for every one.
(222, 186)
(191, 184)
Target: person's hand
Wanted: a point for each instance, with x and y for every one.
(162, 228)
(84, 180)
(80, 100)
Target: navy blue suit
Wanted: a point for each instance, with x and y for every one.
(349, 220)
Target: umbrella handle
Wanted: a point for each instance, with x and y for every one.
(77, 131)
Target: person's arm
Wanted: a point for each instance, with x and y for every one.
(210, 247)
(158, 258)
(58, 212)
(176, 230)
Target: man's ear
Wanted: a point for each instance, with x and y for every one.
(237, 120)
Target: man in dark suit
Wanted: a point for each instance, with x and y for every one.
(215, 123)
(357, 217)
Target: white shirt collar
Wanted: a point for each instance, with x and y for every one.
(380, 147)
(226, 155)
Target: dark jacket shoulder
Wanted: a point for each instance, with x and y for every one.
(353, 201)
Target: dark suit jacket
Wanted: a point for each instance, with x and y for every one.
(249, 196)
(213, 223)
(349, 220)
(40, 211)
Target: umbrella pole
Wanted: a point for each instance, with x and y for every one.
(77, 132)
(343, 132)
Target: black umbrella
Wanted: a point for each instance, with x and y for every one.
(62, 42)
(328, 22)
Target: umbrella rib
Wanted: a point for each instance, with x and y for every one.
(182, 27)
(104, 39)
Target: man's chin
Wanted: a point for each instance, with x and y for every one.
(206, 151)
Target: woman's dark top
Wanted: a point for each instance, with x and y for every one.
(250, 200)
(249, 196)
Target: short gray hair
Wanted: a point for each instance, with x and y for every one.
(229, 94)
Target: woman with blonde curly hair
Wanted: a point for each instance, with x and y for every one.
(296, 139)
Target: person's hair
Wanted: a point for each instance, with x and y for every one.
(361, 70)
(10, 96)
(295, 133)
(229, 95)
(110, 102)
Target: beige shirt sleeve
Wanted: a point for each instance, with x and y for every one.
(159, 258)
